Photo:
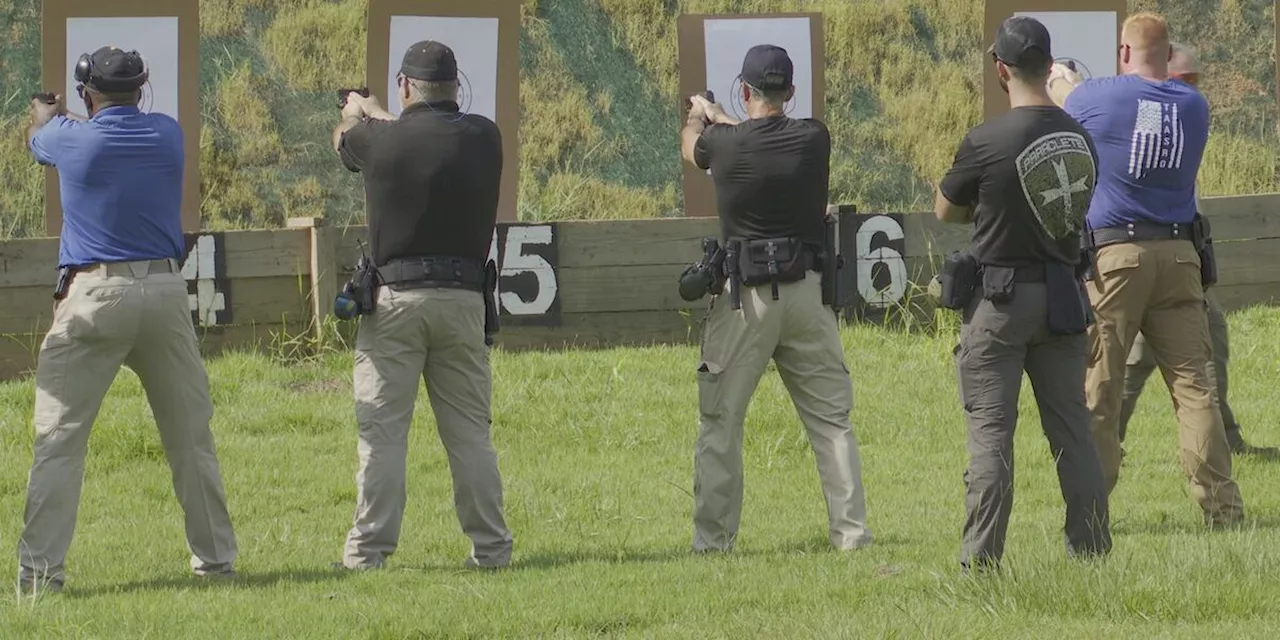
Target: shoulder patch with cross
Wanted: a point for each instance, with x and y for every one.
(1058, 176)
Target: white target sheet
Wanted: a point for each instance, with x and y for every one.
(475, 46)
(156, 38)
(1087, 38)
(727, 42)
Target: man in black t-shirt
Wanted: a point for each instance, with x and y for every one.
(770, 175)
(431, 182)
(1024, 179)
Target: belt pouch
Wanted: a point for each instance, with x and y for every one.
(1067, 307)
(959, 279)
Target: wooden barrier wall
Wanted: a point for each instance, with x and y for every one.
(583, 284)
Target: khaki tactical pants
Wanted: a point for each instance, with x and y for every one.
(436, 335)
(997, 343)
(1142, 363)
(136, 314)
(1154, 287)
(802, 338)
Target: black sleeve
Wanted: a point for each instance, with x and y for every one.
(961, 183)
(702, 149)
(356, 141)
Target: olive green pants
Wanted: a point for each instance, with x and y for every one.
(436, 335)
(135, 314)
(802, 337)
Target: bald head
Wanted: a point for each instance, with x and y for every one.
(1184, 65)
(1144, 45)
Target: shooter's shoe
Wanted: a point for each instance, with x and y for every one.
(29, 585)
(1240, 447)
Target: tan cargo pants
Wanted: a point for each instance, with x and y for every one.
(436, 335)
(802, 337)
(1154, 287)
(1142, 363)
(136, 314)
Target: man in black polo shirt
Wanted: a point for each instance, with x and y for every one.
(431, 184)
(1024, 179)
(770, 174)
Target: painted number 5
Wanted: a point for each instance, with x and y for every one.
(868, 258)
(515, 261)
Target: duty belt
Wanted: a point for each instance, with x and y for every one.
(1139, 231)
(434, 271)
(109, 269)
(1029, 274)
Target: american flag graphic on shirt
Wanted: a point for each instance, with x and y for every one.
(1157, 138)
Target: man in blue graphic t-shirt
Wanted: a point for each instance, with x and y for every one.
(1150, 132)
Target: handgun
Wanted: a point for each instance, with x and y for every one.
(708, 94)
(47, 97)
(343, 93)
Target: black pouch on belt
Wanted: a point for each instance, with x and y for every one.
(998, 283)
(1067, 307)
(1202, 237)
(959, 279)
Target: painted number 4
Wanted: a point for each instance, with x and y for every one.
(516, 259)
(200, 266)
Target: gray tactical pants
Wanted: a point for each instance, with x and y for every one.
(997, 343)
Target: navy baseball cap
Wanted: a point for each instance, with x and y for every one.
(767, 67)
(429, 60)
(1022, 42)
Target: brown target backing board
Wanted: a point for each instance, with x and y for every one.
(711, 51)
(167, 34)
(1085, 31)
(485, 38)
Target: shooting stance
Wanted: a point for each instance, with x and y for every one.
(120, 299)
(1142, 362)
(770, 174)
(1152, 262)
(431, 182)
(1024, 180)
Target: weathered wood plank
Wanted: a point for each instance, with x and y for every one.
(28, 262)
(1248, 262)
(1236, 297)
(26, 309)
(270, 300)
(638, 288)
(266, 254)
(607, 243)
(1243, 217)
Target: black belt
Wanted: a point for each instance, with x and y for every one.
(1029, 274)
(1140, 231)
(434, 271)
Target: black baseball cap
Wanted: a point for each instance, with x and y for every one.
(431, 61)
(767, 67)
(115, 69)
(1022, 42)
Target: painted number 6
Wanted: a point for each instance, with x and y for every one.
(868, 258)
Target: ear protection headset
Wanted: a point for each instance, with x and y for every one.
(86, 74)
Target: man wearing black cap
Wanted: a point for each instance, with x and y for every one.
(1024, 180)
(770, 174)
(120, 299)
(431, 183)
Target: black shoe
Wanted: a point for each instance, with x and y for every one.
(33, 586)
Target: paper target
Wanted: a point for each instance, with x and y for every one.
(727, 42)
(156, 38)
(1086, 37)
(475, 46)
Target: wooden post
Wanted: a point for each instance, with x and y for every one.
(324, 276)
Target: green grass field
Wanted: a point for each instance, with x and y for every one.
(596, 449)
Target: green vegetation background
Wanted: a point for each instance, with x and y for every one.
(599, 105)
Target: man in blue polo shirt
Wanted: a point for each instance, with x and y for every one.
(120, 299)
(1151, 132)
